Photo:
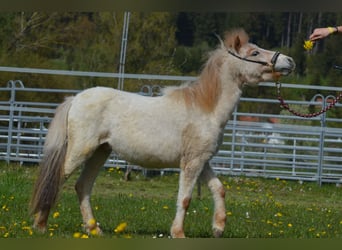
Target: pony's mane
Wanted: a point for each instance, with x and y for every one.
(205, 91)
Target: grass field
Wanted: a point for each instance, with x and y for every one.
(256, 208)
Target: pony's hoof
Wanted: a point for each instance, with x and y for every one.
(95, 231)
(217, 233)
(177, 234)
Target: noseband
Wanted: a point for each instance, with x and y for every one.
(271, 64)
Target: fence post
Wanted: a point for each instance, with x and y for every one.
(12, 85)
(232, 150)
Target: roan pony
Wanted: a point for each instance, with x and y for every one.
(182, 128)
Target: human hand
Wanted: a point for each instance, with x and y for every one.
(320, 33)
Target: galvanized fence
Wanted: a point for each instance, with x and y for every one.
(291, 148)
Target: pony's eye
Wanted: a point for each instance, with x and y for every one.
(255, 53)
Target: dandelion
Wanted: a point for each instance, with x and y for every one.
(229, 213)
(84, 236)
(93, 232)
(308, 45)
(289, 225)
(278, 215)
(77, 235)
(165, 207)
(55, 215)
(91, 222)
(121, 227)
(28, 229)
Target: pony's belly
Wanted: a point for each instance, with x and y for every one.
(152, 160)
(149, 156)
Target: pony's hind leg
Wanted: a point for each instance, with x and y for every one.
(84, 186)
(218, 192)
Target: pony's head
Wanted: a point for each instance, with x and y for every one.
(255, 64)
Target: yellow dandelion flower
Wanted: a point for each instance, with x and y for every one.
(121, 227)
(278, 214)
(229, 213)
(91, 222)
(289, 225)
(308, 45)
(93, 232)
(84, 236)
(76, 235)
(55, 215)
(165, 207)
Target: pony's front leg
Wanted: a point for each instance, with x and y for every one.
(187, 180)
(218, 192)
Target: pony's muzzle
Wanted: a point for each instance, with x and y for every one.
(284, 65)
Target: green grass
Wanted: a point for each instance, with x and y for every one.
(256, 208)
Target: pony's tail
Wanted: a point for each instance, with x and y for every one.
(51, 171)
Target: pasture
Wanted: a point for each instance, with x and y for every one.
(144, 207)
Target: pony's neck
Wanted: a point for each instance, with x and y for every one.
(231, 90)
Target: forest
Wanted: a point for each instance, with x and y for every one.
(167, 43)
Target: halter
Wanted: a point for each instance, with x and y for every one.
(271, 64)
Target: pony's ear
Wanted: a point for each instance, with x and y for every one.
(237, 44)
(235, 39)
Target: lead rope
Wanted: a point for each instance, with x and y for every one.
(286, 106)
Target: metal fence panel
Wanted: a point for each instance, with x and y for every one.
(288, 150)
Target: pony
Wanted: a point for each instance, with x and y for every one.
(181, 128)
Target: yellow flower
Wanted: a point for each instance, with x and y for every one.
(93, 232)
(289, 225)
(76, 235)
(165, 207)
(55, 215)
(84, 236)
(91, 222)
(121, 227)
(308, 45)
